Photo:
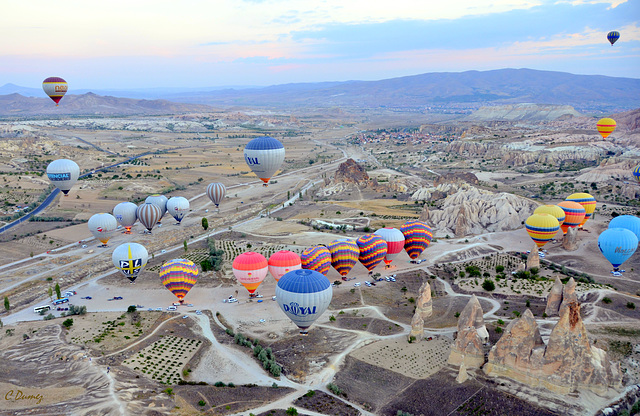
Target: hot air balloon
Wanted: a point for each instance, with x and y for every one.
(178, 207)
(125, 213)
(179, 276)
(629, 222)
(216, 192)
(574, 214)
(303, 295)
(542, 228)
(63, 173)
(554, 210)
(130, 258)
(617, 245)
(159, 201)
(373, 248)
(344, 255)
(148, 214)
(55, 88)
(417, 237)
(613, 36)
(636, 173)
(588, 203)
(282, 262)
(316, 258)
(103, 226)
(395, 242)
(250, 269)
(606, 126)
(264, 155)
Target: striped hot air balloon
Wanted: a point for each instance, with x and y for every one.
(613, 36)
(587, 201)
(303, 295)
(148, 214)
(344, 255)
(159, 201)
(417, 237)
(554, 210)
(250, 269)
(130, 259)
(606, 126)
(216, 192)
(373, 248)
(636, 173)
(179, 276)
(264, 155)
(574, 214)
(125, 213)
(282, 262)
(316, 258)
(55, 88)
(542, 228)
(103, 226)
(395, 242)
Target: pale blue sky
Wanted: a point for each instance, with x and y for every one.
(198, 43)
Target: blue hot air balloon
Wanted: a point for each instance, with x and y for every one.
(264, 155)
(617, 245)
(629, 222)
(303, 295)
(613, 36)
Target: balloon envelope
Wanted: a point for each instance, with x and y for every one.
(159, 201)
(373, 248)
(148, 214)
(344, 255)
(216, 192)
(63, 173)
(606, 126)
(103, 226)
(542, 228)
(264, 155)
(282, 262)
(554, 210)
(316, 258)
(125, 213)
(587, 201)
(629, 222)
(617, 245)
(250, 269)
(55, 88)
(130, 258)
(395, 242)
(303, 295)
(574, 214)
(636, 173)
(179, 276)
(613, 36)
(417, 237)
(178, 207)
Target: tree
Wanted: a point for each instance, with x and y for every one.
(6, 303)
(488, 285)
(50, 292)
(58, 296)
(184, 244)
(499, 268)
(67, 323)
(292, 411)
(205, 224)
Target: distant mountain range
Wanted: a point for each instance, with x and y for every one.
(465, 91)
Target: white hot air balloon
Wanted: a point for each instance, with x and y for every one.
(103, 226)
(264, 155)
(395, 242)
(159, 201)
(125, 213)
(303, 295)
(216, 192)
(130, 258)
(148, 214)
(63, 173)
(178, 207)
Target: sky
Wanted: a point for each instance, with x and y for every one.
(135, 44)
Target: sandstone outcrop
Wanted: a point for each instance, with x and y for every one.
(568, 295)
(567, 362)
(462, 374)
(533, 259)
(424, 304)
(570, 239)
(469, 178)
(472, 334)
(417, 327)
(351, 172)
(524, 111)
(554, 300)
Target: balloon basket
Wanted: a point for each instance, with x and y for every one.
(304, 333)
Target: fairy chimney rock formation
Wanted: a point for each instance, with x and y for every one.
(462, 223)
(554, 300)
(516, 347)
(533, 259)
(472, 334)
(424, 305)
(351, 172)
(417, 327)
(568, 294)
(424, 215)
(462, 374)
(570, 239)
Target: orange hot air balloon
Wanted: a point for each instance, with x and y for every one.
(250, 269)
(606, 126)
(587, 201)
(574, 214)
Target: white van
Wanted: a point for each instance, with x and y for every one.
(172, 308)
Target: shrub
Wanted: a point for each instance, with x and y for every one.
(220, 384)
(292, 411)
(631, 305)
(606, 300)
(334, 389)
(488, 285)
(202, 403)
(68, 323)
(499, 268)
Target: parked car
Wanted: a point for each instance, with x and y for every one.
(232, 300)
(198, 312)
(190, 305)
(159, 309)
(87, 297)
(259, 296)
(273, 298)
(117, 298)
(172, 308)
(185, 317)
(150, 309)
(356, 284)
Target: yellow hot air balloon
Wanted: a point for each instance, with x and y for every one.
(554, 210)
(606, 126)
(587, 201)
(542, 228)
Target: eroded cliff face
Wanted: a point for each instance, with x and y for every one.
(351, 172)
(568, 361)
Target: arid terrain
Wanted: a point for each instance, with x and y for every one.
(474, 181)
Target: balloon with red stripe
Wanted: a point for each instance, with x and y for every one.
(316, 258)
(542, 228)
(282, 262)
(587, 201)
(344, 255)
(373, 248)
(179, 276)
(395, 242)
(250, 269)
(574, 214)
(55, 88)
(417, 237)
(554, 210)
(606, 126)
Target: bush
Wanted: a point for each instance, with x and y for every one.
(499, 268)
(202, 403)
(131, 309)
(220, 384)
(606, 300)
(631, 305)
(68, 323)
(49, 317)
(488, 285)
(292, 411)
(334, 389)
